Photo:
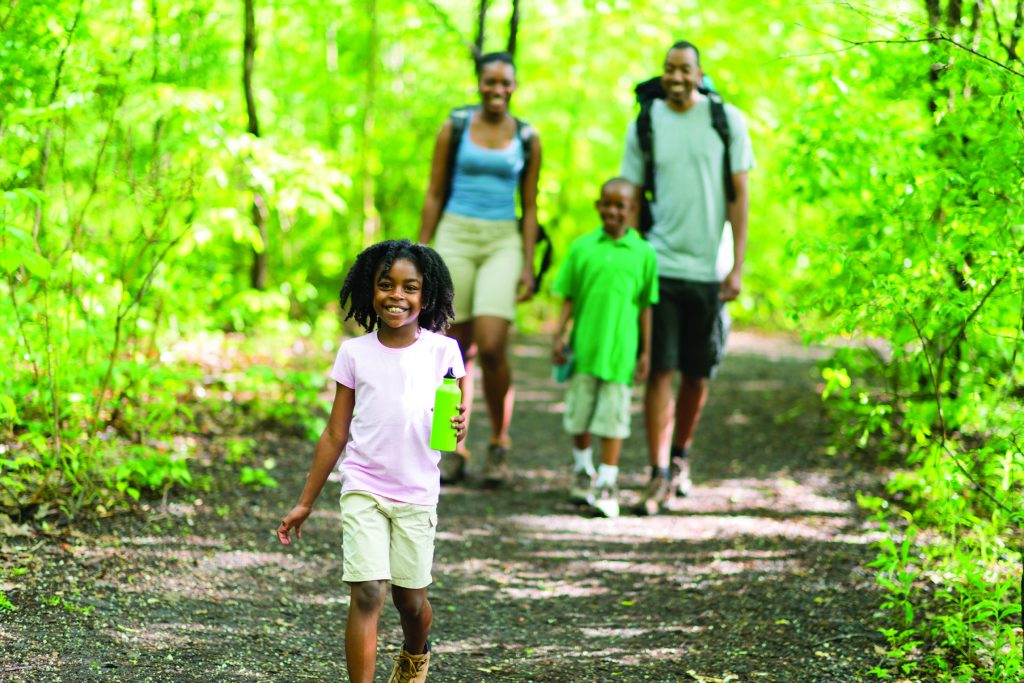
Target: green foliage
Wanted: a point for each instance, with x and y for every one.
(918, 248)
(885, 207)
(129, 181)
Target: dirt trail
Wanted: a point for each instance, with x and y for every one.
(756, 577)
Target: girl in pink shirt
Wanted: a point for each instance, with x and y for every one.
(381, 418)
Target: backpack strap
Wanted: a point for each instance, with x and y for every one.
(721, 125)
(460, 119)
(525, 134)
(646, 93)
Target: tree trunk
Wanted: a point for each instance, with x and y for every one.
(513, 28)
(370, 219)
(481, 26)
(259, 214)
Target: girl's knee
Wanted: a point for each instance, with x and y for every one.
(408, 601)
(368, 596)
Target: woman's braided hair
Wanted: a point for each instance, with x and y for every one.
(357, 292)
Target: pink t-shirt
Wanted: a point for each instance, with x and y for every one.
(388, 451)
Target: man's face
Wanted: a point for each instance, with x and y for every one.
(681, 77)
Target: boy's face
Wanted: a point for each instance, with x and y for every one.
(398, 294)
(616, 208)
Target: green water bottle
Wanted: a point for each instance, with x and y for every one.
(443, 436)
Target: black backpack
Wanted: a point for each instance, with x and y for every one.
(460, 119)
(646, 93)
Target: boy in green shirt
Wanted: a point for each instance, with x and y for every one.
(609, 280)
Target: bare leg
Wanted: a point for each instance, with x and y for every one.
(659, 413)
(491, 335)
(693, 394)
(416, 615)
(581, 441)
(364, 609)
(611, 449)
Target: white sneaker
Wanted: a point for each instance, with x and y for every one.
(680, 476)
(604, 500)
(582, 482)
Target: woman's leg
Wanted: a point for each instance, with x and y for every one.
(463, 334)
(416, 615)
(364, 610)
(491, 336)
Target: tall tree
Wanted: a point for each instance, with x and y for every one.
(259, 208)
(369, 214)
(481, 27)
(513, 28)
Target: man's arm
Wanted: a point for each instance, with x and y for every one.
(643, 358)
(737, 213)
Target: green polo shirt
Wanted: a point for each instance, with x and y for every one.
(609, 282)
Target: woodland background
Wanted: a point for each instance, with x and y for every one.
(184, 184)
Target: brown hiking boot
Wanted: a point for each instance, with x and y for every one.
(655, 496)
(453, 467)
(410, 668)
(496, 465)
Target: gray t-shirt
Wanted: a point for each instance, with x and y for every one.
(689, 214)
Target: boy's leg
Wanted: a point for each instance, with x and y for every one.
(580, 402)
(611, 449)
(416, 615)
(611, 421)
(582, 468)
(361, 629)
(604, 495)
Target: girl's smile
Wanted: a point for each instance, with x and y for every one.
(397, 301)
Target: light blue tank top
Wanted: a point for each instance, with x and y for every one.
(485, 180)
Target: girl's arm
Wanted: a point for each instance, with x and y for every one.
(325, 457)
(529, 190)
(432, 204)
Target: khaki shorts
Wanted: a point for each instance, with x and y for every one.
(384, 540)
(598, 407)
(485, 259)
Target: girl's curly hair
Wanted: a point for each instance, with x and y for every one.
(436, 310)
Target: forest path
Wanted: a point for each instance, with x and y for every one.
(757, 576)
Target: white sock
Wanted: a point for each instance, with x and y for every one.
(606, 475)
(584, 459)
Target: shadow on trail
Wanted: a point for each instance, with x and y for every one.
(757, 576)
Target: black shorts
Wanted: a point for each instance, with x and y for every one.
(690, 327)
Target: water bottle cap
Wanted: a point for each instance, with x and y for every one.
(450, 374)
